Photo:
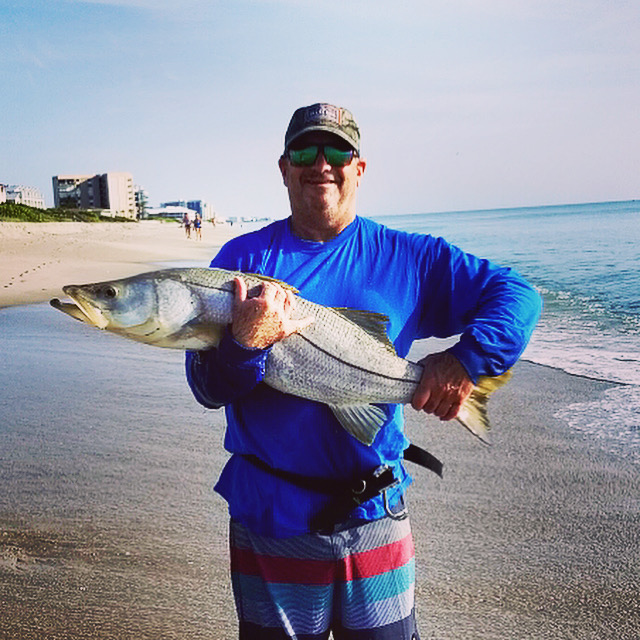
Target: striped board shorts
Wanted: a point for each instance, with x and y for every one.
(356, 582)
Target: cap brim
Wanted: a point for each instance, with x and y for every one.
(324, 129)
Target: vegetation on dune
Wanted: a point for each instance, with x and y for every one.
(10, 212)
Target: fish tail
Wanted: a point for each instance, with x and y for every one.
(473, 413)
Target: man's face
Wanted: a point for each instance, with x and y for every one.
(322, 194)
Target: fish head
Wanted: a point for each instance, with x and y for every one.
(116, 304)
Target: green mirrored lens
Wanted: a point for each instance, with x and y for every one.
(307, 156)
(303, 157)
(337, 157)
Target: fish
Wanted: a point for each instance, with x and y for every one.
(343, 359)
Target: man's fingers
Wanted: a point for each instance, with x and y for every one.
(444, 386)
(303, 323)
(273, 292)
(240, 291)
(263, 315)
(289, 301)
(296, 326)
(420, 398)
(268, 292)
(446, 410)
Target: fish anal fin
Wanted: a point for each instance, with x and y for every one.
(375, 324)
(362, 421)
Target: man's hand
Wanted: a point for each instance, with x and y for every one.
(260, 321)
(444, 386)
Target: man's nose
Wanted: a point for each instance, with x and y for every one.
(321, 161)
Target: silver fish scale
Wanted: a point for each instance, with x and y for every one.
(334, 360)
(337, 362)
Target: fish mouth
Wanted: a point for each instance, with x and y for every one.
(82, 309)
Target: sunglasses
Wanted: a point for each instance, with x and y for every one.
(307, 156)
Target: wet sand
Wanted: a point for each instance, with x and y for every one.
(109, 527)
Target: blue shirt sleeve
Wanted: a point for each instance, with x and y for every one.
(492, 308)
(220, 376)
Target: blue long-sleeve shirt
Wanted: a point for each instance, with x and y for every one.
(425, 286)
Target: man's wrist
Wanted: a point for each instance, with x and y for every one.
(235, 352)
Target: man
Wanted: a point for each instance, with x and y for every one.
(297, 573)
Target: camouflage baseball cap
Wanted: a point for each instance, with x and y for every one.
(323, 117)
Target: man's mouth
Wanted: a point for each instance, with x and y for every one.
(320, 181)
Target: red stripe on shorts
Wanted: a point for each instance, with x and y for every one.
(306, 571)
(280, 569)
(377, 561)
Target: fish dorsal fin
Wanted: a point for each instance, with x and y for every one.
(202, 275)
(375, 324)
(284, 285)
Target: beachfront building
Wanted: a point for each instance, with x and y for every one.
(199, 206)
(21, 194)
(203, 208)
(3, 193)
(177, 212)
(142, 202)
(111, 192)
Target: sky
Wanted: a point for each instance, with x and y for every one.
(462, 104)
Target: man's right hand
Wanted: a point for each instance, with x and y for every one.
(260, 321)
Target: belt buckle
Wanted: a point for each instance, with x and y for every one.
(378, 481)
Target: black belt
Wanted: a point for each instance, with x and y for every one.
(425, 459)
(349, 494)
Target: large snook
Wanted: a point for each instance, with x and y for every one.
(343, 359)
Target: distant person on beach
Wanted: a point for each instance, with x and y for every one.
(197, 225)
(186, 221)
(300, 566)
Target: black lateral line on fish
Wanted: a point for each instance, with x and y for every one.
(354, 366)
(349, 364)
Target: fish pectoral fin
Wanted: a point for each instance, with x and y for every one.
(362, 421)
(206, 335)
(375, 324)
(473, 413)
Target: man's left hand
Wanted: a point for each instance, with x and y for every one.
(444, 386)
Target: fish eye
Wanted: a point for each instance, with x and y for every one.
(109, 291)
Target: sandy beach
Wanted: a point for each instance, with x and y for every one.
(109, 527)
(39, 258)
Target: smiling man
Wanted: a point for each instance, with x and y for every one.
(302, 565)
(322, 192)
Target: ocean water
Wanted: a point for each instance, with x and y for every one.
(584, 259)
